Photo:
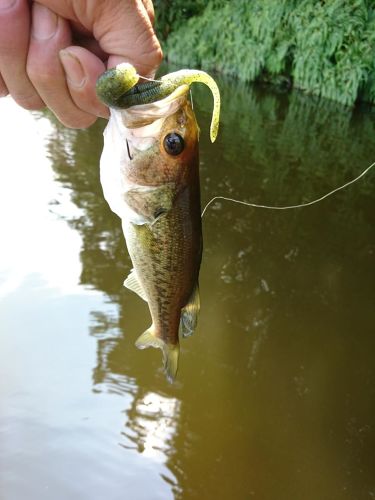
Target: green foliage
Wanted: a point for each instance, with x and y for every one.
(171, 13)
(333, 45)
(326, 48)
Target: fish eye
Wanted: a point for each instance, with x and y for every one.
(173, 144)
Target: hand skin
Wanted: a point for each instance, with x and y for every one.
(52, 52)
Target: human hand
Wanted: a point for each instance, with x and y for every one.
(52, 52)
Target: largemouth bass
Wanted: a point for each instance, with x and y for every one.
(150, 178)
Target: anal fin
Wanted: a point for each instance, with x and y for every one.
(170, 351)
(134, 285)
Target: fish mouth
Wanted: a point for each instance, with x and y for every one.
(118, 88)
(140, 115)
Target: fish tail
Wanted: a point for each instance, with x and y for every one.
(170, 358)
(170, 351)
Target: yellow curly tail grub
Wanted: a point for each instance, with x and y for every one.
(189, 76)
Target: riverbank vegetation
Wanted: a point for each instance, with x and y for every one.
(326, 48)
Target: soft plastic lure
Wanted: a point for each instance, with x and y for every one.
(118, 88)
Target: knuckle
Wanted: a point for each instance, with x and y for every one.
(158, 54)
(3, 88)
(78, 121)
(16, 13)
(31, 102)
(39, 75)
(12, 11)
(155, 54)
(151, 60)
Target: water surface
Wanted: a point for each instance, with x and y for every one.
(275, 396)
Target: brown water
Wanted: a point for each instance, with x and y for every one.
(275, 396)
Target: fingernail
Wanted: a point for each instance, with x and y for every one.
(6, 4)
(73, 68)
(44, 22)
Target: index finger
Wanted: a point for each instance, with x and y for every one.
(14, 43)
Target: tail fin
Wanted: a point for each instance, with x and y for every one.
(170, 351)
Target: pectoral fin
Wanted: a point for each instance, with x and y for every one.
(170, 351)
(189, 314)
(150, 202)
(134, 285)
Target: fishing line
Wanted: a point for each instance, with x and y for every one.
(150, 79)
(269, 207)
(290, 206)
(191, 99)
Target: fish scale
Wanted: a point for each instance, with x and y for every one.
(163, 277)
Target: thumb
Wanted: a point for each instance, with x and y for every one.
(124, 31)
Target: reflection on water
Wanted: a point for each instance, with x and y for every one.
(153, 423)
(275, 393)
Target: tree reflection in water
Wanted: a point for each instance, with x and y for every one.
(263, 274)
